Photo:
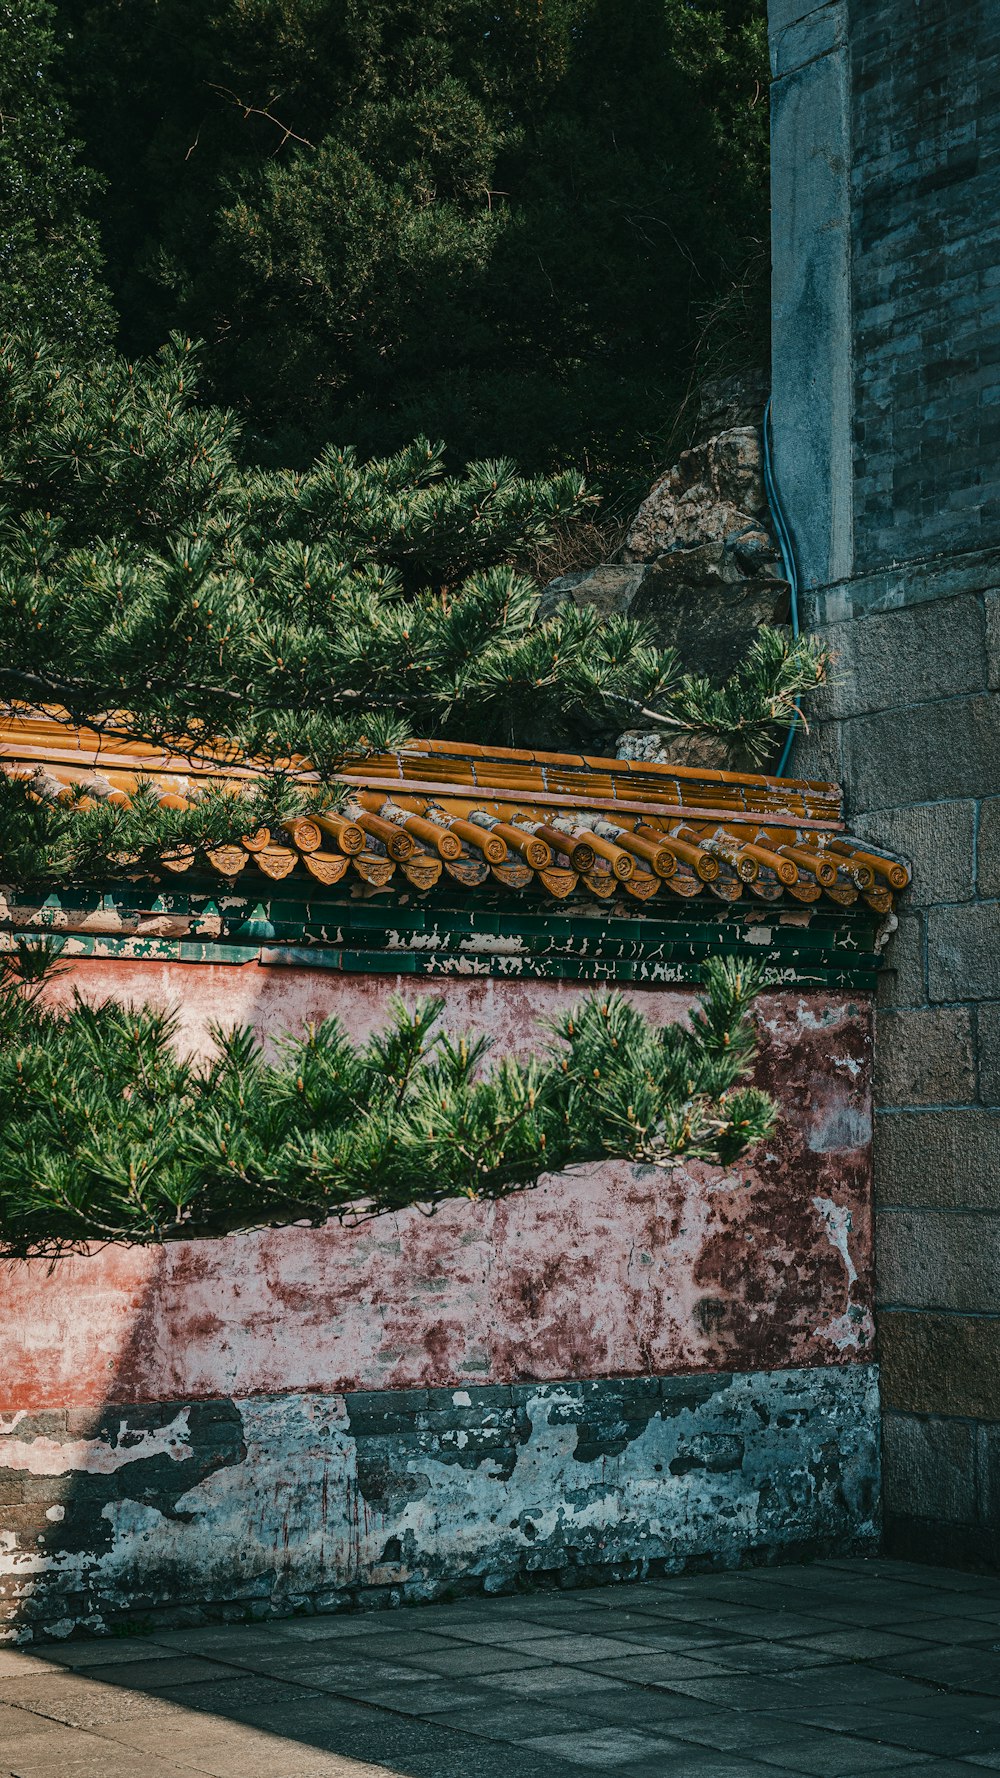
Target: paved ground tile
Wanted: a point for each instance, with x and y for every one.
(836, 1756)
(823, 1671)
(607, 1747)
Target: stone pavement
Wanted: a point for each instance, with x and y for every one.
(832, 1670)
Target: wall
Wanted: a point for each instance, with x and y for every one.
(887, 362)
(616, 1370)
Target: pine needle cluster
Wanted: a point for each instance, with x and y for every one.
(108, 1134)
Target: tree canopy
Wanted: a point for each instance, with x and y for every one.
(51, 266)
(495, 222)
(503, 223)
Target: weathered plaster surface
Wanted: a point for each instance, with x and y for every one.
(276, 1000)
(279, 1000)
(612, 1271)
(273, 1503)
(618, 1368)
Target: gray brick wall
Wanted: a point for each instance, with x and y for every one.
(925, 84)
(426, 1493)
(911, 720)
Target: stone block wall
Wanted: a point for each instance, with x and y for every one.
(886, 149)
(915, 725)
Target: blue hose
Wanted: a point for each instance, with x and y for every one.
(787, 562)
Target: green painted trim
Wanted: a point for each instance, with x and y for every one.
(488, 914)
(292, 917)
(500, 934)
(682, 964)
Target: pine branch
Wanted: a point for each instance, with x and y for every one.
(160, 589)
(107, 1134)
(758, 702)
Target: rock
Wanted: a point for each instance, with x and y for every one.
(755, 550)
(557, 592)
(611, 587)
(700, 603)
(713, 490)
(700, 564)
(712, 567)
(660, 747)
(725, 402)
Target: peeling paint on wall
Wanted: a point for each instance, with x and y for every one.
(38, 1455)
(608, 1271)
(304, 1501)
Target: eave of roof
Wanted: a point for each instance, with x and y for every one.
(559, 823)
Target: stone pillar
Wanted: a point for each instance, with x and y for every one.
(886, 223)
(811, 284)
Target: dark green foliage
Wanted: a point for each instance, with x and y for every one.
(502, 223)
(146, 572)
(152, 585)
(107, 1134)
(50, 259)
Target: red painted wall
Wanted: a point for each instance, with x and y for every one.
(612, 1271)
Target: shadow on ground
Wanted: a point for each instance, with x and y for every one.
(838, 1668)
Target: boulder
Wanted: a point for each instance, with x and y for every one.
(609, 588)
(714, 490)
(660, 747)
(700, 564)
(724, 402)
(700, 602)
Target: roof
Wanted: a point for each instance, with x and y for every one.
(555, 823)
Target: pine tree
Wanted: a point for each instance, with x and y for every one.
(107, 1134)
(50, 260)
(153, 584)
(497, 221)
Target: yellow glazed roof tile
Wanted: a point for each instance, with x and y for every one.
(534, 821)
